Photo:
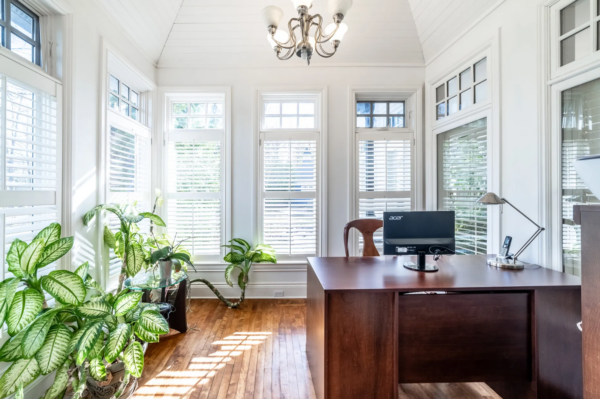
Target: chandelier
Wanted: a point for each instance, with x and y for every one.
(286, 44)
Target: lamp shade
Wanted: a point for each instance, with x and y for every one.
(490, 199)
(300, 3)
(339, 6)
(272, 15)
(281, 36)
(339, 35)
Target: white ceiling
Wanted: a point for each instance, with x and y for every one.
(230, 33)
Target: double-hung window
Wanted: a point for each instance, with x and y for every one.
(196, 172)
(20, 30)
(384, 170)
(289, 208)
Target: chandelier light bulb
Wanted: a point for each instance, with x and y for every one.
(300, 3)
(272, 15)
(339, 35)
(281, 36)
(339, 6)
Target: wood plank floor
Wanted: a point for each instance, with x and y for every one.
(256, 352)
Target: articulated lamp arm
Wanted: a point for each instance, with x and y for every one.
(539, 231)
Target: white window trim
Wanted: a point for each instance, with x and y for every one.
(166, 97)
(413, 98)
(489, 109)
(320, 118)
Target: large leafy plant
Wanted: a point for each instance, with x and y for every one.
(127, 243)
(241, 257)
(81, 335)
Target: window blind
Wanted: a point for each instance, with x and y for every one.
(290, 196)
(384, 178)
(580, 137)
(31, 164)
(462, 179)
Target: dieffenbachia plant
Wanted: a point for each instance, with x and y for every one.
(130, 246)
(241, 257)
(78, 337)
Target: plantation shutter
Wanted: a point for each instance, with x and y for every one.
(384, 177)
(30, 163)
(462, 179)
(195, 191)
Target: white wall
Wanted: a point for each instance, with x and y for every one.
(244, 82)
(515, 21)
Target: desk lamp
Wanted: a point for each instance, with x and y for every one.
(509, 262)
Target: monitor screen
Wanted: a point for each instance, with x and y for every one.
(408, 233)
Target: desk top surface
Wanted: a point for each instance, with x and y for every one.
(457, 273)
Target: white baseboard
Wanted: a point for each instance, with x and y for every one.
(256, 291)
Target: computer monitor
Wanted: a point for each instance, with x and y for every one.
(418, 233)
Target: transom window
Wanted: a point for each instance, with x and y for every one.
(123, 99)
(462, 90)
(289, 115)
(196, 115)
(579, 23)
(376, 114)
(20, 30)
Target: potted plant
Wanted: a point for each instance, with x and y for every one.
(241, 257)
(169, 256)
(94, 343)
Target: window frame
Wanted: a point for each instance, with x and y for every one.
(169, 96)
(319, 133)
(125, 100)
(387, 115)
(8, 29)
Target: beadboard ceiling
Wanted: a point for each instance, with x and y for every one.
(230, 33)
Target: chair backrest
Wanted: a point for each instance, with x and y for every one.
(366, 227)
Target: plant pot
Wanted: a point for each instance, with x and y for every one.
(165, 269)
(588, 169)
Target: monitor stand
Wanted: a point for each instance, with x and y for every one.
(421, 266)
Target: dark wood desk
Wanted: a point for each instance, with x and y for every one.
(514, 330)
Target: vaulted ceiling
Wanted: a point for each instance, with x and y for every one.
(230, 33)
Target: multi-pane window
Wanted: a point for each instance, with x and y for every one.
(580, 137)
(195, 195)
(380, 114)
(468, 87)
(195, 115)
(123, 99)
(30, 171)
(462, 179)
(20, 30)
(289, 166)
(578, 26)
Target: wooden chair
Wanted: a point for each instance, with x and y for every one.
(366, 227)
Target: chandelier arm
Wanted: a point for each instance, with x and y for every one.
(287, 55)
(323, 53)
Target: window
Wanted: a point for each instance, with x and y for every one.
(30, 178)
(196, 173)
(380, 114)
(123, 99)
(579, 138)
(466, 88)
(289, 175)
(578, 25)
(21, 30)
(462, 179)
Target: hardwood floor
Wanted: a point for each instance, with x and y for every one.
(256, 352)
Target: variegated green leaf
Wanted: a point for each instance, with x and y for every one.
(22, 371)
(153, 322)
(55, 350)
(109, 238)
(126, 302)
(65, 286)
(97, 369)
(13, 257)
(11, 350)
(234, 258)
(145, 335)
(155, 218)
(88, 339)
(49, 234)
(61, 380)
(117, 339)
(83, 270)
(235, 247)
(8, 288)
(133, 357)
(24, 308)
(98, 348)
(75, 339)
(135, 259)
(92, 284)
(36, 334)
(20, 394)
(241, 242)
(94, 309)
(31, 256)
(264, 257)
(87, 218)
(241, 282)
(111, 322)
(228, 272)
(55, 251)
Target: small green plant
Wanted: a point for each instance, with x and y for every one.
(241, 257)
(170, 251)
(81, 336)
